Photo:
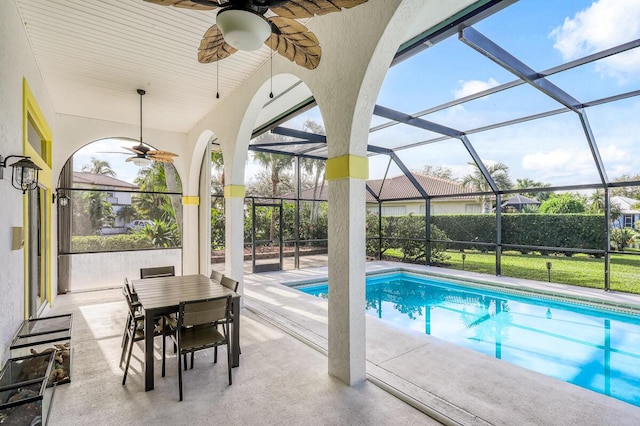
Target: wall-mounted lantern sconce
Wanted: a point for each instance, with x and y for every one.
(549, 265)
(63, 200)
(24, 175)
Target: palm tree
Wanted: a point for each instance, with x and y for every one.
(311, 165)
(99, 167)
(159, 177)
(595, 202)
(217, 163)
(499, 172)
(276, 165)
(526, 183)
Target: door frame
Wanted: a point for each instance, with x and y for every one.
(32, 114)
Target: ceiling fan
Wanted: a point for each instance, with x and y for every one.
(241, 25)
(143, 154)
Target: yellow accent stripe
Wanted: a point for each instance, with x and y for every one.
(31, 113)
(234, 191)
(347, 166)
(190, 200)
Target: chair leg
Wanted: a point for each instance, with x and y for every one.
(229, 359)
(180, 373)
(164, 356)
(126, 368)
(125, 343)
(215, 355)
(125, 334)
(192, 357)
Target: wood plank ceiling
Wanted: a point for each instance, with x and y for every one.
(93, 55)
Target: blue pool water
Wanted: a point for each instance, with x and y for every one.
(593, 348)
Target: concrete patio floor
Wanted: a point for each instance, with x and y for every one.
(280, 380)
(283, 373)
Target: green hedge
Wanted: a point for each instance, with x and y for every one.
(95, 243)
(406, 234)
(578, 231)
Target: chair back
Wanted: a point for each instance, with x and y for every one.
(131, 298)
(216, 276)
(158, 271)
(230, 283)
(205, 311)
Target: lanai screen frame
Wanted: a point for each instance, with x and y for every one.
(308, 145)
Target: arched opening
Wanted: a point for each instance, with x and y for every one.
(115, 217)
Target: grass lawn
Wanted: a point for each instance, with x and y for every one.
(580, 270)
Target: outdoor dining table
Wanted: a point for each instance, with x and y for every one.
(160, 296)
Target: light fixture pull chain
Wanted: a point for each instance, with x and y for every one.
(271, 65)
(217, 79)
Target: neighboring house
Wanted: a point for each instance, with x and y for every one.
(401, 197)
(114, 187)
(409, 199)
(629, 211)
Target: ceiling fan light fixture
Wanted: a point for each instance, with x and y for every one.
(243, 29)
(141, 161)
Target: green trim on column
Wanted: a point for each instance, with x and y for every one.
(234, 191)
(347, 166)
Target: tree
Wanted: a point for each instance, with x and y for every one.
(441, 172)
(627, 191)
(126, 213)
(315, 167)
(526, 183)
(99, 167)
(595, 202)
(148, 204)
(217, 164)
(563, 204)
(98, 210)
(276, 165)
(499, 173)
(622, 237)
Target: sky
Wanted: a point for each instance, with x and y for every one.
(552, 150)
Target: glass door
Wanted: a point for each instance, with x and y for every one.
(36, 251)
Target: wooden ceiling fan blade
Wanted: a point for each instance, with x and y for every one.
(213, 47)
(162, 153)
(161, 159)
(129, 159)
(295, 42)
(186, 4)
(298, 9)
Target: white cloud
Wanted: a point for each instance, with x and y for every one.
(604, 24)
(560, 163)
(466, 88)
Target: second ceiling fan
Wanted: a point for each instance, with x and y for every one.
(143, 154)
(241, 25)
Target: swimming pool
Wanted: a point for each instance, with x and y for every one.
(597, 349)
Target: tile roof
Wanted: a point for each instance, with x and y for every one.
(86, 178)
(400, 188)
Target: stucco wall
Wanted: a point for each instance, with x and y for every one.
(16, 63)
(93, 271)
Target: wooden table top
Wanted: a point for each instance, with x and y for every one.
(163, 292)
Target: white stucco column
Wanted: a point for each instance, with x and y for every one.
(234, 233)
(190, 259)
(347, 334)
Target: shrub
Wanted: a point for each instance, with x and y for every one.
(96, 243)
(622, 237)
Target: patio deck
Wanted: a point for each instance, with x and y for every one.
(283, 374)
